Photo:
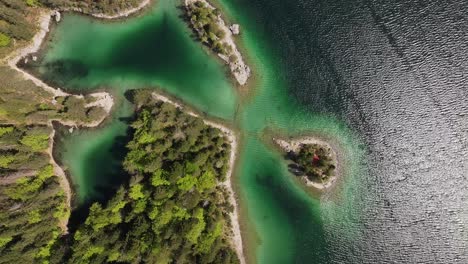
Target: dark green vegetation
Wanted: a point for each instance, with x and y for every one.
(204, 21)
(31, 201)
(4, 40)
(173, 209)
(23, 148)
(316, 161)
(33, 207)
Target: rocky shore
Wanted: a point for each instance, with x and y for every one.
(238, 67)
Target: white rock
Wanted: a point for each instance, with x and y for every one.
(57, 16)
(235, 29)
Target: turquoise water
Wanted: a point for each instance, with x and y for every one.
(282, 210)
(157, 50)
(94, 157)
(154, 50)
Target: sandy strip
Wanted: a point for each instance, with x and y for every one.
(121, 14)
(239, 69)
(58, 171)
(237, 238)
(34, 46)
(294, 145)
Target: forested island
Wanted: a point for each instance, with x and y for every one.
(212, 31)
(174, 208)
(311, 159)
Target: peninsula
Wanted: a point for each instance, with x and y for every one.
(175, 208)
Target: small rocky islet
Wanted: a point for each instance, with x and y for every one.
(312, 160)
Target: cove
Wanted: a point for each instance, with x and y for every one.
(155, 50)
(283, 222)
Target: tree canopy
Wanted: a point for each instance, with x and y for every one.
(173, 209)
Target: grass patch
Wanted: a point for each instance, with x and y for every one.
(5, 40)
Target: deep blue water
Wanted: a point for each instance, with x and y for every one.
(396, 73)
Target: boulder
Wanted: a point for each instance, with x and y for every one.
(235, 29)
(57, 16)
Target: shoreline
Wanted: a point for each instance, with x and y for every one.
(106, 101)
(120, 14)
(63, 181)
(239, 69)
(230, 134)
(294, 145)
(103, 99)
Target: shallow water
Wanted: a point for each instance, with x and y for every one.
(367, 76)
(94, 157)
